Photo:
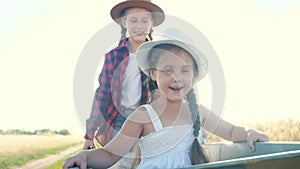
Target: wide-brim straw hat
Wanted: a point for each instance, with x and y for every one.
(157, 12)
(143, 50)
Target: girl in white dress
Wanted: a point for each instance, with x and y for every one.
(169, 129)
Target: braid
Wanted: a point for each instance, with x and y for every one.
(123, 32)
(197, 154)
(150, 34)
(152, 85)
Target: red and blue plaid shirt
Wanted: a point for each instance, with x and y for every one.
(108, 97)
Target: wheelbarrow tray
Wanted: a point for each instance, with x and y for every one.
(268, 155)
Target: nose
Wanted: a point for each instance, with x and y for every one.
(177, 76)
(139, 25)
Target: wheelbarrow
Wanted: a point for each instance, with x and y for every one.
(268, 155)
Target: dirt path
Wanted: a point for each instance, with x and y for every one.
(48, 160)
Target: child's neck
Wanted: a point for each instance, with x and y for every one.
(133, 45)
(165, 106)
(172, 113)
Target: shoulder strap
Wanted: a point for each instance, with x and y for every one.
(154, 117)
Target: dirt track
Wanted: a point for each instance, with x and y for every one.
(48, 160)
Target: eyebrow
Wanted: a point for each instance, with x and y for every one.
(145, 17)
(168, 66)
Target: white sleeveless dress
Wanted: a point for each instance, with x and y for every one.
(166, 147)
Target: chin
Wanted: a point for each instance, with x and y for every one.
(139, 38)
(175, 99)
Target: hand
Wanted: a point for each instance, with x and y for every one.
(88, 144)
(255, 136)
(79, 159)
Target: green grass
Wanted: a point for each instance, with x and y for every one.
(7, 161)
(26, 148)
(59, 163)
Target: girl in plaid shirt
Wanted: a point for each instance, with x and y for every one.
(122, 85)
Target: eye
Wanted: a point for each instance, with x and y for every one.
(186, 70)
(145, 20)
(168, 70)
(133, 20)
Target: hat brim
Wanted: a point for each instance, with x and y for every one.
(143, 50)
(158, 13)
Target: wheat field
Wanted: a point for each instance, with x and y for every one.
(281, 130)
(16, 144)
(19, 149)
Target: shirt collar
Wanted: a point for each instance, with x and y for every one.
(123, 43)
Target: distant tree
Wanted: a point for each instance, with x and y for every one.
(64, 132)
(43, 132)
(11, 131)
(28, 133)
(35, 132)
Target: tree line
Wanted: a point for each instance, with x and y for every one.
(35, 132)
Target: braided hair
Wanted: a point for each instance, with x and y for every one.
(152, 85)
(197, 155)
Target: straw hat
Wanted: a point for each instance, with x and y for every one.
(177, 39)
(158, 13)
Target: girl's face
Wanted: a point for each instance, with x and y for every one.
(174, 74)
(138, 22)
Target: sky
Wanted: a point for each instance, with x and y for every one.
(257, 43)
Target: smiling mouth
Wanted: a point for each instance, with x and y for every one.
(139, 33)
(176, 88)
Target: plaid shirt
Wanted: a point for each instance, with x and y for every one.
(108, 97)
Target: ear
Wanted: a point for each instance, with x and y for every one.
(194, 80)
(124, 22)
(152, 74)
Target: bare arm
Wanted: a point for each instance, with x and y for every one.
(214, 124)
(113, 151)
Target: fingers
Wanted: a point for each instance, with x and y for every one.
(67, 164)
(262, 138)
(255, 137)
(251, 145)
(73, 162)
(79, 159)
